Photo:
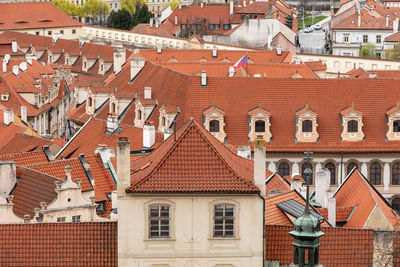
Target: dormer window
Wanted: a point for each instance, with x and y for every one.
(393, 118)
(306, 124)
(168, 114)
(66, 60)
(112, 108)
(139, 115)
(90, 103)
(259, 123)
(4, 97)
(352, 124)
(213, 118)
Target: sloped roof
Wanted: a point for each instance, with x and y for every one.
(356, 191)
(357, 73)
(195, 162)
(393, 38)
(143, 28)
(33, 15)
(26, 158)
(21, 142)
(277, 182)
(61, 244)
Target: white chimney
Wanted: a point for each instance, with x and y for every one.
(119, 59)
(214, 52)
(112, 123)
(244, 3)
(15, 70)
(159, 50)
(147, 93)
(244, 152)
(230, 7)
(203, 78)
(23, 66)
(7, 57)
(14, 46)
(396, 25)
(106, 153)
(332, 211)
(149, 135)
(167, 133)
(151, 22)
(180, 5)
(297, 61)
(123, 165)
(24, 114)
(259, 165)
(359, 18)
(322, 186)
(231, 71)
(201, 5)
(4, 65)
(157, 23)
(137, 63)
(387, 21)
(8, 116)
(176, 20)
(278, 50)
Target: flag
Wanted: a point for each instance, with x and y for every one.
(241, 62)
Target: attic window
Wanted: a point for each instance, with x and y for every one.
(307, 126)
(260, 126)
(214, 126)
(45, 20)
(352, 126)
(4, 97)
(396, 126)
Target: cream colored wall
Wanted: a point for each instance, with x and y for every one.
(44, 32)
(191, 242)
(378, 220)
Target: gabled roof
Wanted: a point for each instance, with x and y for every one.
(195, 162)
(21, 142)
(161, 30)
(393, 109)
(393, 38)
(26, 158)
(259, 109)
(357, 73)
(213, 108)
(350, 109)
(305, 110)
(277, 184)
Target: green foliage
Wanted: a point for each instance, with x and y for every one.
(308, 21)
(94, 8)
(368, 50)
(121, 19)
(69, 8)
(142, 15)
(131, 5)
(392, 53)
(174, 4)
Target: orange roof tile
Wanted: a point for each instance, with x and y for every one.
(342, 213)
(195, 162)
(26, 158)
(162, 30)
(277, 182)
(21, 142)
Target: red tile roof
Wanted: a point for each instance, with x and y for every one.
(26, 158)
(195, 162)
(357, 73)
(277, 182)
(59, 244)
(275, 216)
(21, 142)
(162, 30)
(339, 246)
(342, 213)
(393, 38)
(34, 15)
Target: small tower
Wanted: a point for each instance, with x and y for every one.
(306, 231)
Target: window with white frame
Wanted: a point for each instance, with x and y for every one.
(159, 220)
(378, 39)
(224, 219)
(365, 38)
(76, 218)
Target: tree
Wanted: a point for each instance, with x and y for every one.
(69, 8)
(173, 4)
(368, 50)
(142, 15)
(392, 53)
(131, 5)
(94, 8)
(121, 19)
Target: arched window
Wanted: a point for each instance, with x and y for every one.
(214, 126)
(375, 173)
(396, 126)
(260, 126)
(306, 126)
(396, 204)
(163, 121)
(112, 107)
(352, 126)
(139, 115)
(90, 101)
(332, 169)
(303, 168)
(396, 173)
(351, 166)
(284, 169)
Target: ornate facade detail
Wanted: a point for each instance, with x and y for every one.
(213, 118)
(259, 124)
(143, 108)
(306, 125)
(393, 123)
(167, 116)
(352, 124)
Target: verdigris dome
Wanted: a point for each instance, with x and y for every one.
(306, 226)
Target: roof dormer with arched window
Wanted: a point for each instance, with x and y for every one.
(352, 124)
(259, 124)
(213, 118)
(306, 125)
(167, 116)
(90, 103)
(393, 123)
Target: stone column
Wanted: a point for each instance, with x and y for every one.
(386, 176)
(364, 169)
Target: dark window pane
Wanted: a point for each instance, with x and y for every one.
(307, 126)
(260, 126)
(283, 169)
(332, 169)
(351, 166)
(375, 173)
(214, 126)
(396, 173)
(352, 126)
(396, 126)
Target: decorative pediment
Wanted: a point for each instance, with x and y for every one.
(352, 124)
(306, 125)
(259, 122)
(393, 123)
(167, 116)
(213, 118)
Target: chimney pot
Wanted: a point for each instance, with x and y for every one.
(203, 79)
(149, 135)
(147, 92)
(14, 46)
(10, 199)
(43, 205)
(37, 212)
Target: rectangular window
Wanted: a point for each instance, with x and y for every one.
(49, 33)
(224, 220)
(61, 219)
(346, 38)
(62, 31)
(159, 220)
(378, 39)
(37, 33)
(227, 26)
(73, 31)
(76, 218)
(365, 38)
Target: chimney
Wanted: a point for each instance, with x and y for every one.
(278, 50)
(123, 165)
(14, 46)
(23, 66)
(230, 7)
(387, 21)
(4, 65)
(149, 135)
(167, 133)
(147, 93)
(159, 50)
(176, 20)
(24, 114)
(157, 22)
(244, 152)
(244, 3)
(332, 211)
(231, 71)
(29, 59)
(214, 52)
(203, 78)
(27, 218)
(180, 5)
(322, 187)
(106, 153)
(15, 70)
(8, 116)
(201, 5)
(296, 182)
(359, 18)
(119, 59)
(396, 25)
(259, 164)
(112, 123)
(297, 61)
(151, 22)
(137, 63)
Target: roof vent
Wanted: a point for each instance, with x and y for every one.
(14, 46)
(23, 66)
(15, 70)
(214, 52)
(203, 79)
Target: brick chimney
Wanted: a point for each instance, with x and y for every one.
(259, 164)
(123, 165)
(149, 135)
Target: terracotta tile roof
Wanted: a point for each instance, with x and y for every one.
(21, 142)
(339, 246)
(386, 74)
(342, 213)
(393, 38)
(33, 187)
(162, 30)
(255, 8)
(195, 162)
(26, 158)
(59, 244)
(357, 73)
(316, 65)
(277, 182)
(356, 191)
(273, 215)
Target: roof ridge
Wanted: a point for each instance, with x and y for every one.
(37, 172)
(20, 153)
(53, 161)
